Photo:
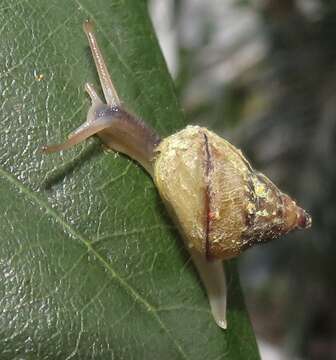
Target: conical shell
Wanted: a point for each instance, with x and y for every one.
(221, 205)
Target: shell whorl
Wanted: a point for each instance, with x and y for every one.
(221, 205)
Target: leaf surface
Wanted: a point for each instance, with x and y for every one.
(91, 267)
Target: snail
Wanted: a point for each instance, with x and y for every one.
(219, 203)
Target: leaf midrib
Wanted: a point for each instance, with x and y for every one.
(122, 282)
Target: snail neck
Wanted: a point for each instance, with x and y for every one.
(130, 135)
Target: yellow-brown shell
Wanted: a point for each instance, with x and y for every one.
(221, 205)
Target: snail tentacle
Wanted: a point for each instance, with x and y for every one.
(110, 93)
(85, 131)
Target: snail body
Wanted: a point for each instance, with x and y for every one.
(219, 203)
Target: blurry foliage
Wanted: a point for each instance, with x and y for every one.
(281, 110)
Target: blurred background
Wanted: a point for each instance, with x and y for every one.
(262, 73)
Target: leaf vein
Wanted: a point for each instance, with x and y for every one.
(33, 49)
(53, 213)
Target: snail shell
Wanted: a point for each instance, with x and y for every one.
(221, 205)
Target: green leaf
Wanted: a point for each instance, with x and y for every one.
(91, 266)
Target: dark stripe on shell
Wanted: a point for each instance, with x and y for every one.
(208, 166)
